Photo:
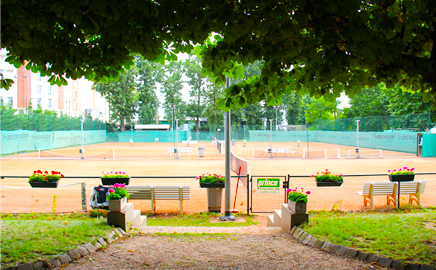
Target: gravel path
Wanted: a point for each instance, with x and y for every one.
(268, 249)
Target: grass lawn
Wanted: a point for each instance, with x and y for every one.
(35, 236)
(204, 219)
(401, 235)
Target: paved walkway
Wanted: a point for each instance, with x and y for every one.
(234, 230)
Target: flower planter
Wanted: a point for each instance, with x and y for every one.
(401, 177)
(112, 181)
(36, 184)
(329, 184)
(117, 205)
(212, 185)
(297, 207)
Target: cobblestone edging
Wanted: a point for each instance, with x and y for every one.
(72, 254)
(310, 240)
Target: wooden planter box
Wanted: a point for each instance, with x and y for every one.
(117, 205)
(297, 207)
(44, 184)
(401, 177)
(112, 181)
(329, 184)
(212, 185)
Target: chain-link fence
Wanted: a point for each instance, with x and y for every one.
(74, 194)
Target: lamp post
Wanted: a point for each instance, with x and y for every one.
(176, 154)
(357, 149)
(276, 108)
(270, 133)
(172, 118)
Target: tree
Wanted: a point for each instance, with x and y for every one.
(322, 47)
(121, 97)
(294, 109)
(149, 73)
(197, 82)
(172, 93)
(320, 109)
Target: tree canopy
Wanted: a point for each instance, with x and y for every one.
(319, 47)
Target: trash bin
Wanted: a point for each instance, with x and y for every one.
(214, 199)
(201, 151)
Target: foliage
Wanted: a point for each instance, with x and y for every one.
(39, 176)
(172, 93)
(41, 236)
(401, 235)
(404, 170)
(118, 192)
(327, 177)
(297, 195)
(113, 174)
(121, 97)
(320, 109)
(211, 178)
(294, 107)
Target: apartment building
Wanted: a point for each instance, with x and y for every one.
(74, 99)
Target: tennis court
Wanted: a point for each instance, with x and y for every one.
(140, 160)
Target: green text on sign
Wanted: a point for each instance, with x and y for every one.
(268, 185)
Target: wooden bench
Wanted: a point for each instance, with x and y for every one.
(180, 150)
(154, 193)
(369, 190)
(414, 189)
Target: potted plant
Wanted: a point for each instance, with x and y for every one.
(400, 175)
(297, 200)
(117, 197)
(326, 179)
(45, 180)
(111, 178)
(208, 180)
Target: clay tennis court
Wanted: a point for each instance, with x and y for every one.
(153, 159)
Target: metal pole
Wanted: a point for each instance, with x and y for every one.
(81, 127)
(270, 138)
(176, 154)
(358, 150)
(227, 123)
(307, 138)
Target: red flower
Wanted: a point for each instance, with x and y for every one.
(62, 175)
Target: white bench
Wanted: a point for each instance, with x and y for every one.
(154, 193)
(390, 189)
(369, 190)
(279, 150)
(180, 150)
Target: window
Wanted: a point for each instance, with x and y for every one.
(38, 76)
(10, 101)
(38, 102)
(38, 89)
(49, 90)
(49, 103)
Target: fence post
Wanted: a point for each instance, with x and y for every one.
(248, 194)
(83, 191)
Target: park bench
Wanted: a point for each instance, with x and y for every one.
(414, 189)
(180, 150)
(154, 193)
(369, 190)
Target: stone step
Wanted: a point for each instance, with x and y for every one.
(270, 221)
(128, 210)
(277, 217)
(137, 217)
(143, 222)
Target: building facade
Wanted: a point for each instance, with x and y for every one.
(31, 89)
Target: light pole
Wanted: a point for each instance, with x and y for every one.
(176, 154)
(357, 149)
(270, 133)
(172, 118)
(276, 108)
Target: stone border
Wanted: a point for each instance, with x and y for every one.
(72, 254)
(310, 240)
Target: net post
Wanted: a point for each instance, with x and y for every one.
(339, 153)
(304, 153)
(348, 153)
(325, 153)
(381, 154)
(39, 153)
(113, 154)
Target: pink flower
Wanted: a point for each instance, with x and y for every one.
(307, 192)
(389, 170)
(288, 190)
(111, 190)
(121, 185)
(412, 169)
(116, 185)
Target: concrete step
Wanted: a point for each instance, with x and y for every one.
(270, 221)
(137, 217)
(143, 222)
(128, 211)
(277, 217)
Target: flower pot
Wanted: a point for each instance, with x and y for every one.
(297, 207)
(112, 181)
(212, 185)
(36, 184)
(117, 205)
(401, 177)
(329, 184)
